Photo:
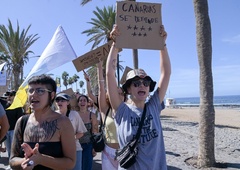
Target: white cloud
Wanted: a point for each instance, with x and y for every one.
(234, 39)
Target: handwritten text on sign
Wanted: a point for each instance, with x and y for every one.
(139, 25)
(92, 57)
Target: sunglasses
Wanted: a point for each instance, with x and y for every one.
(60, 100)
(38, 91)
(137, 83)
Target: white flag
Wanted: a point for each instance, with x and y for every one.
(58, 52)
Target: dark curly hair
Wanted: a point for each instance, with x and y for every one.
(44, 80)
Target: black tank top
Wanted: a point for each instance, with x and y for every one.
(53, 149)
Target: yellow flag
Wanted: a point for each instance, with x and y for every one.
(20, 98)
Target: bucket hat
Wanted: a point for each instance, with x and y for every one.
(137, 73)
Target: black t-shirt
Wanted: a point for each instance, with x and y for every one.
(13, 115)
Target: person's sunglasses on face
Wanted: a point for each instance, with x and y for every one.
(60, 100)
(137, 83)
(38, 91)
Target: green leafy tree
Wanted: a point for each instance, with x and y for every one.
(100, 32)
(135, 51)
(14, 45)
(65, 77)
(102, 26)
(84, 2)
(81, 84)
(70, 81)
(75, 79)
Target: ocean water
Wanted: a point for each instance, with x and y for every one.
(231, 100)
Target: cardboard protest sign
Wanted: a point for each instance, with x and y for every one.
(73, 100)
(92, 57)
(139, 25)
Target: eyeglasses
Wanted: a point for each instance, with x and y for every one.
(60, 100)
(137, 83)
(39, 91)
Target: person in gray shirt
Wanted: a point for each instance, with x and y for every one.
(151, 150)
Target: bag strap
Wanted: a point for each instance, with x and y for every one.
(106, 116)
(23, 124)
(90, 116)
(102, 124)
(140, 126)
(96, 104)
(67, 114)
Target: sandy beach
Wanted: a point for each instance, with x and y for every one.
(180, 130)
(223, 116)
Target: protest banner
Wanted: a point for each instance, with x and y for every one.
(139, 25)
(73, 99)
(92, 57)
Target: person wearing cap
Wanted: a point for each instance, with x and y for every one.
(63, 103)
(91, 123)
(93, 104)
(151, 150)
(13, 115)
(44, 139)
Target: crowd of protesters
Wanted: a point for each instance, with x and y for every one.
(50, 134)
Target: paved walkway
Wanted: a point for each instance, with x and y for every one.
(96, 161)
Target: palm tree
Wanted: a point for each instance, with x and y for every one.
(206, 157)
(14, 46)
(81, 83)
(102, 26)
(70, 81)
(65, 76)
(84, 2)
(135, 51)
(75, 79)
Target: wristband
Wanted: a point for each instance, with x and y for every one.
(30, 163)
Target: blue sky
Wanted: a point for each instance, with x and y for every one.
(179, 21)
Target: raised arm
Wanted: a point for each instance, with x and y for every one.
(103, 105)
(165, 67)
(4, 126)
(89, 89)
(111, 67)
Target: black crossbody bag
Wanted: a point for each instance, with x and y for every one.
(98, 139)
(127, 155)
